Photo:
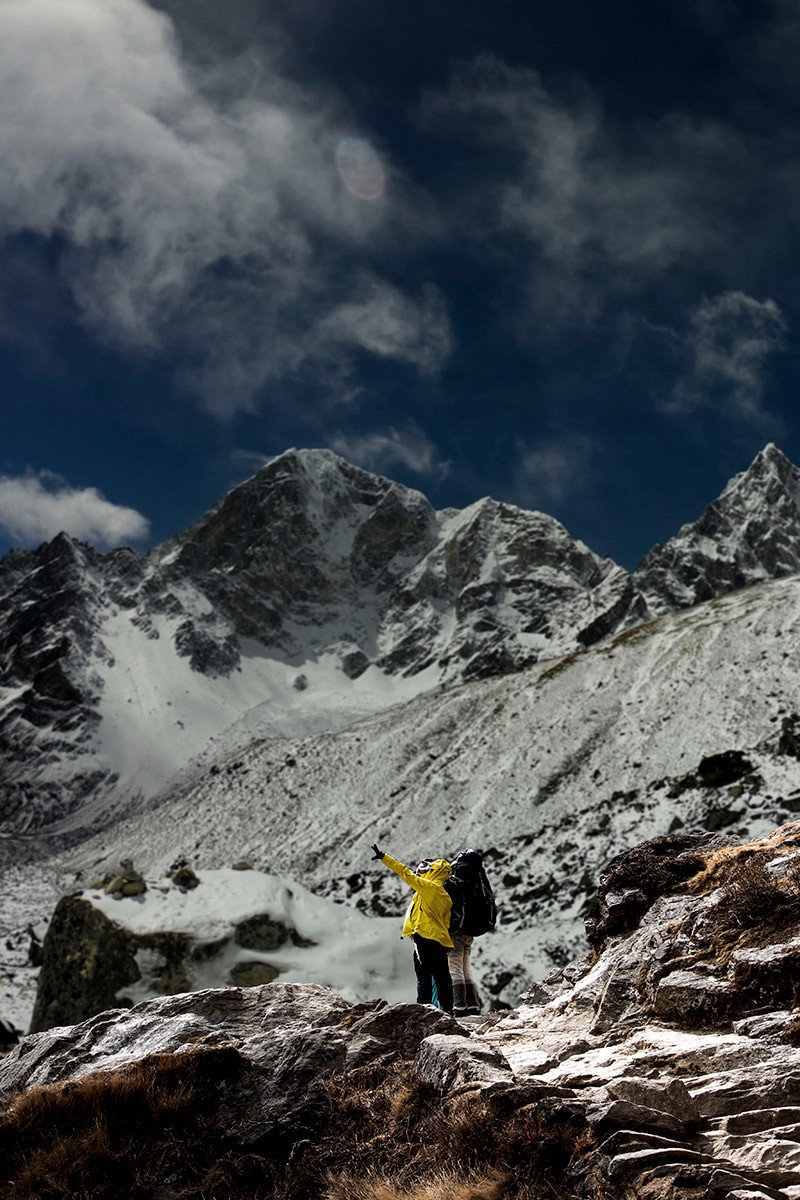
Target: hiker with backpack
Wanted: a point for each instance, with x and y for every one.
(473, 912)
(427, 923)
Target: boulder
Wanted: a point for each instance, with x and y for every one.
(447, 1062)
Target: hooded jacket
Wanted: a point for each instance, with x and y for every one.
(428, 913)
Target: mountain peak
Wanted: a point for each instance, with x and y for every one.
(749, 534)
(769, 464)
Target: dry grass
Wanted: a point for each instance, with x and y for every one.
(719, 863)
(118, 1133)
(756, 907)
(151, 1130)
(440, 1186)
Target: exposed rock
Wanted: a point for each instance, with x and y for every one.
(261, 932)
(129, 882)
(447, 1062)
(86, 961)
(630, 1064)
(750, 533)
(691, 998)
(9, 1036)
(670, 1096)
(185, 877)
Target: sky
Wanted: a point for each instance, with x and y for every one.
(547, 253)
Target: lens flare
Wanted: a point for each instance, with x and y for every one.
(359, 167)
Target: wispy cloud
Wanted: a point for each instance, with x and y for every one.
(408, 446)
(36, 507)
(197, 212)
(596, 208)
(553, 470)
(727, 347)
(385, 322)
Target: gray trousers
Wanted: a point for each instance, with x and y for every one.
(465, 991)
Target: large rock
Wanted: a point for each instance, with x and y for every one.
(105, 949)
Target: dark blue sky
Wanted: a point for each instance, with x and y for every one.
(545, 253)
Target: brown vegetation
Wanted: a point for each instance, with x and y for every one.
(720, 862)
(151, 1130)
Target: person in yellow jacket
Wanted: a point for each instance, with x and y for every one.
(427, 923)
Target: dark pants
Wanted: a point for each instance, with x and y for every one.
(430, 964)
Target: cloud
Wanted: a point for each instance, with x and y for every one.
(383, 321)
(729, 342)
(36, 507)
(591, 207)
(553, 470)
(196, 210)
(376, 451)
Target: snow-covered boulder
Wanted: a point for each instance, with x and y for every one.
(234, 928)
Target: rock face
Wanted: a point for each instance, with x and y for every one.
(749, 534)
(116, 670)
(666, 1063)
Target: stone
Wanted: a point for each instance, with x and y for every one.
(622, 1114)
(128, 882)
(636, 1161)
(185, 878)
(694, 999)
(446, 1061)
(672, 1096)
(252, 974)
(87, 960)
(261, 932)
(757, 1120)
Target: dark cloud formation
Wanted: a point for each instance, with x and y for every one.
(508, 250)
(195, 218)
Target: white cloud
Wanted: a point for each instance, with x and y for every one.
(197, 213)
(385, 322)
(34, 508)
(377, 451)
(553, 470)
(730, 339)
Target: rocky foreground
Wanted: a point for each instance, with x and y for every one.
(665, 1063)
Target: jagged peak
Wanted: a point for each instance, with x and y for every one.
(770, 463)
(319, 465)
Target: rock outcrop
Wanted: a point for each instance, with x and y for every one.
(665, 1063)
(108, 948)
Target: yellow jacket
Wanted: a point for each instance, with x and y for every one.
(428, 913)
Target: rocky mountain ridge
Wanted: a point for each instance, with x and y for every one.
(310, 595)
(664, 1063)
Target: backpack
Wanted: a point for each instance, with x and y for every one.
(473, 911)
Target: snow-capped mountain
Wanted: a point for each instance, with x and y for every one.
(749, 534)
(313, 593)
(270, 685)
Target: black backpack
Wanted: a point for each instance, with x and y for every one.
(473, 911)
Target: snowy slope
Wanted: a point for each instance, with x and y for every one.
(310, 595)
(271, 685)
(359, 958)
(551, 772)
